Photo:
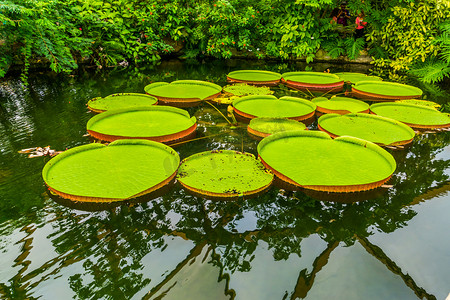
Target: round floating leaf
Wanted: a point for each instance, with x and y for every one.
(357, 77)
(373, 128)
(380, 90)
(183, 92)
(340, 105)
(122, 100)
(313, 160)
(415, 116)
(223, 174)
(234, 91)
(426, 103)
(254, 77)
(313, 81)
(263, 127)
(124, 169)
(159, 123)
(250, 107)
(243, 89)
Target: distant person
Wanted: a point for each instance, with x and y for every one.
(341, 15)
(360, 24)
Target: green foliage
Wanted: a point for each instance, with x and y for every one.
(431, 70)
(110, 32)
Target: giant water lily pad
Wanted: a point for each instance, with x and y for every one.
(183, 93)
(340, 105)
(269, 106)
(313, 160)
(262, 127)
(256, 77)
(125, 169)
(313, 81)
(373, 128)
(234, 91)
(351, 77)
(426, 103)
(158, 123)
(385, 91)
(415, 116)
(224, 174)
(122, 100)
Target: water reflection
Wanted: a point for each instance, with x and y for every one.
(178, 243)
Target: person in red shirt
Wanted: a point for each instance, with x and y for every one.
(360, 24)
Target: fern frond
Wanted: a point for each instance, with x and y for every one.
(378, 52)
(354, 46)
(431, 71)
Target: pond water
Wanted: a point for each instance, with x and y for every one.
(281, 245)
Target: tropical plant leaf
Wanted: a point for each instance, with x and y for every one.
(431, 71)
(354, 46)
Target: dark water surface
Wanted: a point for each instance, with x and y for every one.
(281, 245)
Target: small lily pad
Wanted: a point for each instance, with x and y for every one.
(121, 100)
(351, 77)
(224, 174)
(421, 103)
(125, 169)
(379, 130)
(262, 127)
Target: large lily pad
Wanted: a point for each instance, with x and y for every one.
(351, 77)
(262, 127)
(158, 123)
(269, 106)
(340, 105)
(256, 77)
(183, 93)
(224, 174)
(373, 128)
(313, 160)
(385, 91)
(313, 81)
(122, 100)
(415, 116)
(125, 169)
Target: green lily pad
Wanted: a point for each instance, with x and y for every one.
(183, 92)
(313, 160)
(263, 127)
(381, 90)
(223, 173)
(340, 105)
(426, 103)
(243, 89)
(159, 123)
(311, 77)
(125, 169)
(357, 77)
(254, 77)
(415, 116)
(271, 107)
(373, 128)
(122, 100)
